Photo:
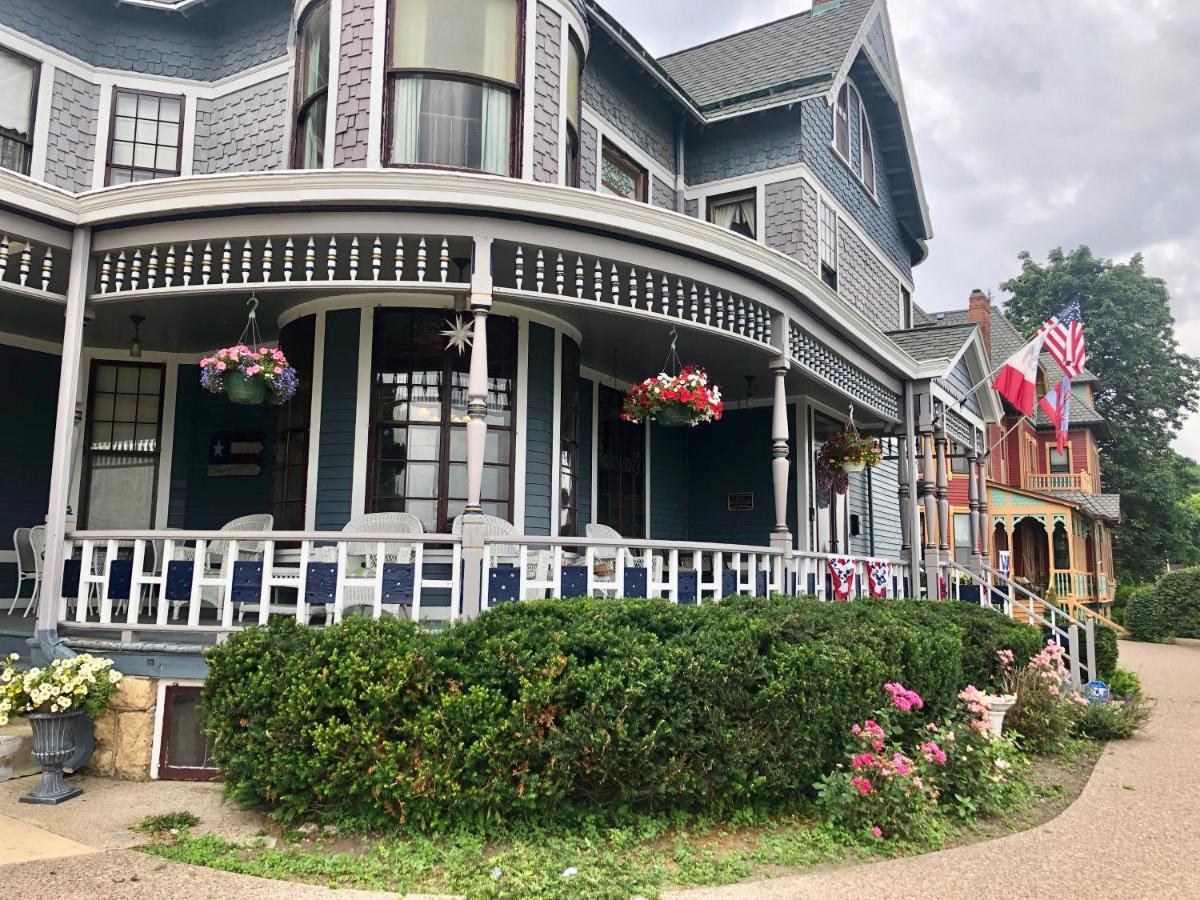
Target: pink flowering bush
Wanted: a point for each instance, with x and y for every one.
(266, 363)
(1046, 709)
(978, 770)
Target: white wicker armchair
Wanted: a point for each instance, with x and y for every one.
(214, 555)
(366, 553)
(538, 562)
(609, 554)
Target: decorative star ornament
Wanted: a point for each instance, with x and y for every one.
(458, 335)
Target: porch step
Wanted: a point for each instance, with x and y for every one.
(16, 745)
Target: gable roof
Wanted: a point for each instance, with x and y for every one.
(796, 51)
(933, 342)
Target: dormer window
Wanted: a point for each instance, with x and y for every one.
(866, 169)
(312, 88)
(841, 123)
(453, 84)
(18, 92)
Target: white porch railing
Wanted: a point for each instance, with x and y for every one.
(32, 267)
(216, 581)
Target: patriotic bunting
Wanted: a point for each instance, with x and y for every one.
(841, 571)
(879, 575)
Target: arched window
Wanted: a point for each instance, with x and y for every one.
(574, 107)
(866, 169)
(312, 88)
(453, 84)
(841, 123)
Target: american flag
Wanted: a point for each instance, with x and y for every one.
(1064, 339)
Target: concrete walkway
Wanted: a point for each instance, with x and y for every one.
(1133, 832)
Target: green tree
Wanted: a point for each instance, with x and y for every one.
(1147, 386)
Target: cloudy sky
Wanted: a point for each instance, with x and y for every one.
(1038, 123)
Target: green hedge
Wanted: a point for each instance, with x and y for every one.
(1168, 608)
(1106, 651)
(549, 712)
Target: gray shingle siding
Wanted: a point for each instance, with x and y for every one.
(71, 141)
(335, 476)
(613, 89)
(354, 84)
(878, 42)
(743, 146)
(960, 383)
(209, 43)
(547, 85)
(662, 194)
(692, 208)
(245, 131)
(865, 282)
(877, 219)
(589, 152)
(539, 429)
(791, 220)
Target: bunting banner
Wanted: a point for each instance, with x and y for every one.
(842, 570)
(879, 576)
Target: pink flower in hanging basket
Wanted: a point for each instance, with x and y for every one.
(267, 365)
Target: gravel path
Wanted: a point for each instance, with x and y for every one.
(1133, 832)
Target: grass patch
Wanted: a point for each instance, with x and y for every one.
(167, 824)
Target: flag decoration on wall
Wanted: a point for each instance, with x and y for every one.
(841, 571)
(1057, 406)
(1063, 336)
(1018, 376)
(879, 574)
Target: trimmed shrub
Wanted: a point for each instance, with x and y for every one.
(552, 712)
(1144, 615)
(1179, 594)
(1106, 651)
(984, 631)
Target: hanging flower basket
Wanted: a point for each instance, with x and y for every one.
(674, 400)
(249, 376)
(843, 454)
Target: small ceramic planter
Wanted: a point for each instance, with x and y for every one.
(997, 706)
(53, 745)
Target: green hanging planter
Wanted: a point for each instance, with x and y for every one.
(673, 415)
(245, 391)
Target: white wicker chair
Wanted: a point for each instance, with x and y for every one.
(214, 555)
(26, 569)
(368, 551)
(609, 554)
(538, 562)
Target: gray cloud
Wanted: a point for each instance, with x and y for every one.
(1038, 124)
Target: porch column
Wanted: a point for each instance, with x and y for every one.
(64, 445)
(929, 501)
(913, 519)
(904, 492)
(985, 520)
(973, 505)
(946, 544)
(473, 529)
(781, 538)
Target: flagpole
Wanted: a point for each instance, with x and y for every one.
(1007, 433)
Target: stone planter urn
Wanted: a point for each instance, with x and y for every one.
(53, 746)
(997, 706)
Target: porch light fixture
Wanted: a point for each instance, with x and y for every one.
(135, 346)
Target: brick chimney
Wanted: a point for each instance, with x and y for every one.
(980, 312)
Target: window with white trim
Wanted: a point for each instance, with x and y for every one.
(866, 169)
(736, 211)
(312, 88)
(145, 137)
(841, 123)
(18, 99)
(827, 244)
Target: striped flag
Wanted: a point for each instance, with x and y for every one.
(1057, 406)
(1018, 376)
(1063, 339)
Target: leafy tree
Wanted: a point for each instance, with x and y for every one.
(1147, 386)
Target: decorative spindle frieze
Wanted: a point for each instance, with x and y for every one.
(559, 275)
(226, 262)
(422, 259)
(268, 260)
(119, 275)
(376, 258)
(169, 267)
(541, 270)
(444, 260)
(310, 259)
(579, 277)
(206, 263)
(247, 260)
(23, 266)
(354, 258)
(135, 270)
(331, 258)
(520, 267)
(152, 268)
(47, 268)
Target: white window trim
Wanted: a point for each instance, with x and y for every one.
(846, 88)
(854, 129)
(822, 205)
(865, 134)
(760, 208)
(606, 130)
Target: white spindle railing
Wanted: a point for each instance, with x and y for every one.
(363, 259)
(33, 265)
(601, 279)
(191, 581)
(529, 568)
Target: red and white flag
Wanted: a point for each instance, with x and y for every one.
(1057, 406)
(1063, 336)
(1017, 380)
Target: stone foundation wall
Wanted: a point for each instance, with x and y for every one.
(125, 732)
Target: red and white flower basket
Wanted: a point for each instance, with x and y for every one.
(674, 400)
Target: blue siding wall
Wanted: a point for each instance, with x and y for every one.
(211, 502)
(28, 388)
(585, 452)
(539, 429)
(961, 382)
(877, 219)
(670, 465)
(732, 456)
(335, 478)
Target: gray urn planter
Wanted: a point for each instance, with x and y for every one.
(53, 746)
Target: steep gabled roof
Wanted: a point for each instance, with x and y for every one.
(933, 342)
(796, 51)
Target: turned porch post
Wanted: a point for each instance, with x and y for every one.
(64, 444)
(928, 496)
(904, 492)
(985, 522)
(781, 537)
(946, 542)
(912, 519)
(973, 505)
(473, 530)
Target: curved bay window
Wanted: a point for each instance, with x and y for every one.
(289, 471)
(418, 461)
(574, 107)
(312, 88)
(453, 84)
(568, 442)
